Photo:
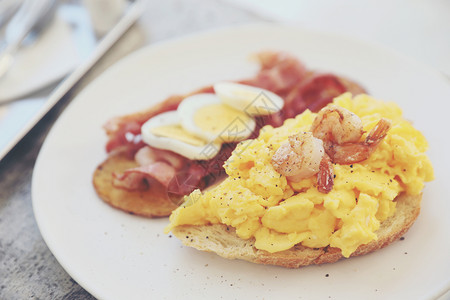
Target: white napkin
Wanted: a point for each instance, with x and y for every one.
(42, 63)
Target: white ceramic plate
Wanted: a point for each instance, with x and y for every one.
(114, 255)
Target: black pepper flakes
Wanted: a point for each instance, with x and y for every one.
(327, 275)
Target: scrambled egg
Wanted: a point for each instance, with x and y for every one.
(261, 203)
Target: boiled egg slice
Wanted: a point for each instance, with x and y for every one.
(164, 131)
(249, 99)
(206, 116)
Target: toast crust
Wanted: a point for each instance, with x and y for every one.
(223, 240)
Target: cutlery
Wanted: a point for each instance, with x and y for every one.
(31, 18)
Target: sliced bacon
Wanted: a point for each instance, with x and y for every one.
(313, 94)
(147, 155)
(182, 175)
(140, 178)
(214, 167)
(279, 72)
(187, 180)
(176, 182)
(152, 163)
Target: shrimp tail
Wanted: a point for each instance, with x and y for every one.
(325, 177)
(349, 153)
(378, 133)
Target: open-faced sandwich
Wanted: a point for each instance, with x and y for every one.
(157, 156)
(342, 182)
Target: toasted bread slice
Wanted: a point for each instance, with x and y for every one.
(223, 240)
(153, 202)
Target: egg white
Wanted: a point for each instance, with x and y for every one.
(208, 151)
(189, 107)
(252, 100)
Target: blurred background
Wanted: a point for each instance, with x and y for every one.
(51, 49)
(419, 29)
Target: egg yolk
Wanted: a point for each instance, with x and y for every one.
(256, 102)
(178, 133)
(245, 95)
(220, 118)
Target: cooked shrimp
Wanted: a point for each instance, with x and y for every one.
(304, 154)
(341, 131)
(299, 157)
(349, 153)
(325, 177)
(337, 125)
(378, 133)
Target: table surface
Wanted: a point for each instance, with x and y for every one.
(27, 267)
